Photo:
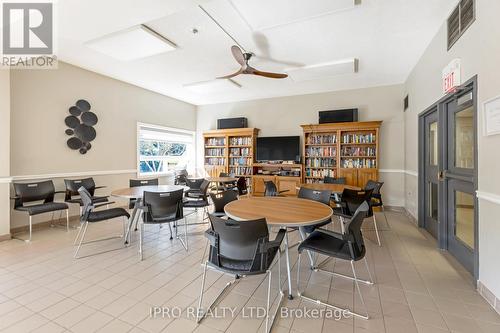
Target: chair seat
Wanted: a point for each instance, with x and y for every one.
(322, 243)
(244, 267)
(159, 220)
(195, 203)
(94, 200)
(43, 208)
(107, 214)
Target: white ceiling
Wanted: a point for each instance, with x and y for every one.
(387, 36)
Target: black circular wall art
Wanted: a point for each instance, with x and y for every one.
(80, 123)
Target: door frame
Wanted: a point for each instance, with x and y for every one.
(469, 86)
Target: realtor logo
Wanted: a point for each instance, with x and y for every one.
(28, 28)
(28, 35)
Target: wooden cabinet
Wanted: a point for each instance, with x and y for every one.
(289, 184)
(358, 177)
(258, 186)
(350, 175)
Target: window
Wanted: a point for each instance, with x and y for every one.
(163, 149)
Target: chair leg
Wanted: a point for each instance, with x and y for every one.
(303, 236)
(200, 313)
(368, 270)
(204, 252)
(170, 227)
(78, 234)
(359, 290)
(376, 229)
(184, 242)
(318, 302)
(270, 275)
(81, 240)
(31, 228)
(67, 219)
(287, 253)
(141, 231)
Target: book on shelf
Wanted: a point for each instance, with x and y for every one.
(358, 163)
(358, 151)
(239, 152)
(214, 152)
(243, 161)
(215, 160)
(321, 151)
(315, 162)
(215, 142)
(240, 141)
(321, 139)
(359, 138)
(241, 171)
(320, 173)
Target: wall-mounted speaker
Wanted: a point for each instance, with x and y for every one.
(232, 123)
(338, 116)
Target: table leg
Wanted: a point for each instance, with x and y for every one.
(303, 236)
(131, 220)
(288, 271)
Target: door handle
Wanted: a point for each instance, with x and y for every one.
(441, 175)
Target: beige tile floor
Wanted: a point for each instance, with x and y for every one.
(43, 289)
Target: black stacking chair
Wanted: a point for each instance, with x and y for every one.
(242, 249)
(333, 180)
(220, 200)
(376, 200)
(350, 201)
(140, 182)
(162, 208)
(72, 186)
(90, 216)
(347, 246)
(319, 196)
(194, 187)
(181, 177)
(36, 192)
(199, 199)
(271, 190)
(241, 186)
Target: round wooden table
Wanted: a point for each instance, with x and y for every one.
(137, 193)
(335, 188)
(285, 212)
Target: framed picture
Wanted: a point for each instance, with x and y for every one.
(491, 116)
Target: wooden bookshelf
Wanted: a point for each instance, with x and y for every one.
(231, 151)
(347, 150)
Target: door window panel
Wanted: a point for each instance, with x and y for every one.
(464, 218)
(433, 201)
(433, 143)
(464, 139)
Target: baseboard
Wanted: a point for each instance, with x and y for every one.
(5, 237)
(488, 296)
(410, 216)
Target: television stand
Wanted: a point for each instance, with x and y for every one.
(285, 176)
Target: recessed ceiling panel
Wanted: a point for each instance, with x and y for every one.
(321, 71)
(266, 14)
(213, 87)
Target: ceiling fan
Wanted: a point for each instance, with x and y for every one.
(242, 59)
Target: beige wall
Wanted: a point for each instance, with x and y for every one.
(479, 50)
(284, 115)
(4, 151)
(40, 100)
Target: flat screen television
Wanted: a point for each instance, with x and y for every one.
(278, 148)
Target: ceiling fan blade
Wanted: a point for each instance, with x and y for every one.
(270, 75)
(231, 75)
(238, 55)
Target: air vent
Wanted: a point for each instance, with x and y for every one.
(460, 19)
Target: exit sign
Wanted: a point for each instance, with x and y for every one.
(451, 76)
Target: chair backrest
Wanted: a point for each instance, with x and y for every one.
(86, 201)
(319, 196)
(241, 184)
(353, 228)
(270, 189)
(333, 180)
(239, 240)
(28, 192)
(374, 185)
(181, 179)
(143, 182)
(163, 205)
(353, 199)
(204, 187)
(220, 200)
(72, 186)
(194, 184)
(182, 172)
